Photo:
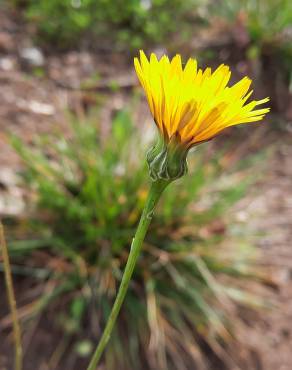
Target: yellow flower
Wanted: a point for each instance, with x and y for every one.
(193, 105)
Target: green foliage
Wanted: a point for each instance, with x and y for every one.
(88, 194)
(126, 22)
(268, 23)
(265, 19)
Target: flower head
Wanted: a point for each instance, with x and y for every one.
(192, 104)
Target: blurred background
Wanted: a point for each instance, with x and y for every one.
(212, 288)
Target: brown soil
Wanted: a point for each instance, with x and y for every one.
(269, 210)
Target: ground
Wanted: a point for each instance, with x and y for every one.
(271, 206)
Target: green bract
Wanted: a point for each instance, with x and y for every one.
(167, 161)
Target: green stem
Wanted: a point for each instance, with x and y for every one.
(155, 192)
(11, 300)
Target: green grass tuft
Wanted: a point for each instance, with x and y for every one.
(87, 194)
